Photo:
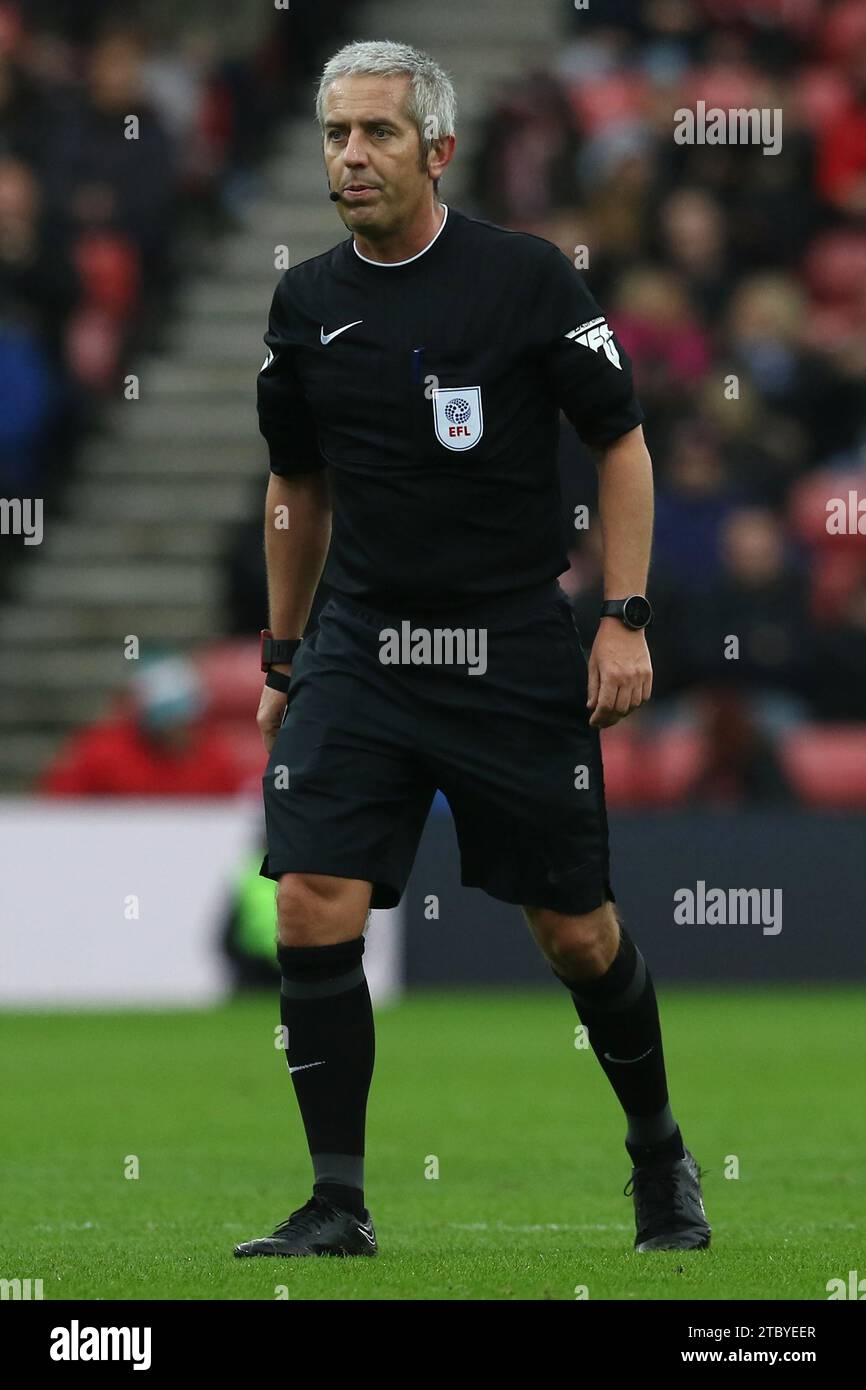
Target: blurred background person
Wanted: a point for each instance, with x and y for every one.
(155, 744)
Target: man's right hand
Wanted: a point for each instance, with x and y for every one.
(272, 707)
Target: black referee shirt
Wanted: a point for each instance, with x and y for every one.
(432, 388)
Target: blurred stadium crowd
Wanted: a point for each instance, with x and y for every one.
(736, 280)
(97, 230)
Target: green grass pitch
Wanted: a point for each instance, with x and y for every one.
(528, 1137)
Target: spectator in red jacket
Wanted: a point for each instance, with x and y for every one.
(842, 148)
(156, 746)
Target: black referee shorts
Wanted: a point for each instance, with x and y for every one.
(364, 745)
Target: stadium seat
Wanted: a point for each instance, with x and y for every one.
(827, 765)
(110, 272)
(655, 769)
(669, 765)
(807, 512)
(245, 744)
(820, 94)
(232, 678)
(835, 272)
(835, 576)
(620, 755)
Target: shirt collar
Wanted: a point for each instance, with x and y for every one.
(392, 265)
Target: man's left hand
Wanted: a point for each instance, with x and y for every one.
(620, 673)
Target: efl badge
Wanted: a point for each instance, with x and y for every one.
(458, 416)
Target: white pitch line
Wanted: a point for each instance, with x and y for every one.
(548, 1226)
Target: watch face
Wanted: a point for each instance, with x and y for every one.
(637, 611)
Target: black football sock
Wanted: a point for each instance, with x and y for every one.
(620, 1012)
(330, 1048)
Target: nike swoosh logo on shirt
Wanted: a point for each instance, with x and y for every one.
(304, 1066)
(326, 337)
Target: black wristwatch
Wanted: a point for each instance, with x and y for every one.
(635, 612)
(277, 651)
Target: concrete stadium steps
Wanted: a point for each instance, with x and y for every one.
(472, 26)
(223, 499)
(228, 341)
(28, 752)
(122, 541)
(291, 219)
(186, 378)
(293, 187)
(252, 259)
(199, 422)
(144, 459)
(180, 625)
(117, 588)
(82, 666)
(78, 707)
(478, 44)
(139, 547)
(220, 298)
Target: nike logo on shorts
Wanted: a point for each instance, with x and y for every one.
(625, 1060)
(553, 876)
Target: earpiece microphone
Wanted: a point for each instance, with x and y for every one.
(335, 197)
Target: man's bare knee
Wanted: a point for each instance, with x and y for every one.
(577, 945)
(321, 909)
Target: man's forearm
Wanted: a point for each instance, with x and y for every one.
(297, 536)
(625, 504)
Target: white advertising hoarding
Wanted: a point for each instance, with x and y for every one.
(122, 902)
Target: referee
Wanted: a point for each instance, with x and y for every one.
(410, 399)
